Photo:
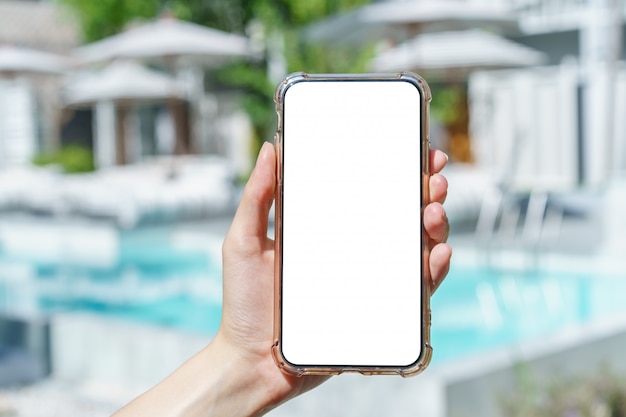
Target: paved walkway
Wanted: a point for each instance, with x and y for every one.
(51, 399)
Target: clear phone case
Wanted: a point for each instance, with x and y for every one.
(426, 349)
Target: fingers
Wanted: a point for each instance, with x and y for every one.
(438, 188)
(438, 184)
(250, 222)
(436, 222)
(440, 256)
(437, 160)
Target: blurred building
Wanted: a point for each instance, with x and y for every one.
(561, 124)
(38, 25)
(35, 118)
(30, 115)
(550, 125)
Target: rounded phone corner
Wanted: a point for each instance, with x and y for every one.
(420, 365)
(283, 364)
(419, 82)
(287, 82)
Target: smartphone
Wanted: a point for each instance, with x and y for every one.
(351, 260)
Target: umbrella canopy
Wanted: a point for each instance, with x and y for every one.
(403, 19)
(17, 60)
(121, 81)
(457, 52)
(166, 37)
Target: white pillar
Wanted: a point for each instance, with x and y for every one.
(18, 130)
(134, 145)
(104, 137)
(597, 44)
(192, 78)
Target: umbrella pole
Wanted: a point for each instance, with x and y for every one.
(176, 110)
(120, 122)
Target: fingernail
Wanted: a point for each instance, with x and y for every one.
(263, 151)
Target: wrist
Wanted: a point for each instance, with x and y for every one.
(217, 381)
(245, 379)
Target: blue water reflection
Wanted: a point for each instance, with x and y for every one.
(156, 281)
(152, 280)
(478, 309)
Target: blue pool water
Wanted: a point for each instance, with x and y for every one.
(478, 309)
(152, 280)
(155, 281)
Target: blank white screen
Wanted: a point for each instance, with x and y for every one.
(352, 229)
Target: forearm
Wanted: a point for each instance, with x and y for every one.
(214, 382)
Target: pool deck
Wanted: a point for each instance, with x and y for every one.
(93, 387)
(472, 386)
(52, 398)
(85, 384)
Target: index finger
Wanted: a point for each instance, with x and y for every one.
(437, 160)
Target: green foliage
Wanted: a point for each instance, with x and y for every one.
(601, 394)
(320, 58)
(107, 17)
(446, 103)
(227, 15)
(257, 100)
(73, 159)
(104, 18)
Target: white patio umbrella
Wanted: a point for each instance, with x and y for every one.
(403, 19)
(112, 90)
(454, 54)
(18, 60)
(450, 56)
(121, 81)
(167, 37)
(18, 122)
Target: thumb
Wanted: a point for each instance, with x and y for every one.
(250, 220)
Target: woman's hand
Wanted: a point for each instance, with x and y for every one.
(247, 320)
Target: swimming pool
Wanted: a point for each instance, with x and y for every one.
(479, 309)
(158, 281)
(153, 279)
